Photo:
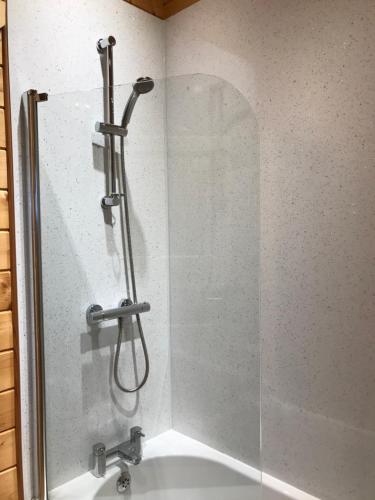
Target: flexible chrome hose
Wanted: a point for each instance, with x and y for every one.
(134, 288)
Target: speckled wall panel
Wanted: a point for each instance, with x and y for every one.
(82, 255)
(83, 264)
(213, 189)
(308, 69)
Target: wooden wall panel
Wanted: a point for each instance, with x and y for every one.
(1, 88)
(3, 170)
(2, 14)
(3, 141)
(7, 410)
(6, 330)
(11, 486)
(5, 291)
(6, 370)
(4, 250)
(8, 484)
(7, 449)
(4, 210)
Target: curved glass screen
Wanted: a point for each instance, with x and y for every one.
(192, 186)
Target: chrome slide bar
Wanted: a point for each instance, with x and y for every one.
(33, 98)
(105, 49)
(95, 313)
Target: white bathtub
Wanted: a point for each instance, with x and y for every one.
(175, 467)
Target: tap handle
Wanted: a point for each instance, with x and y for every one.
(99, 449)
(99, 460)
(136, 433)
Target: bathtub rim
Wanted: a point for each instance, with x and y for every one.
(174, 443)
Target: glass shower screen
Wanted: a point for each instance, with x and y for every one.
(213, 206)
(192, 173)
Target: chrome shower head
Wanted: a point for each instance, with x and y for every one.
(143, 85)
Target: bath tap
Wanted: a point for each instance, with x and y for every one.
(128, 451)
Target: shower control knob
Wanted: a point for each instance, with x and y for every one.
(93, 308)
(126, 302)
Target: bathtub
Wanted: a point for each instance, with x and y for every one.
(176, 467)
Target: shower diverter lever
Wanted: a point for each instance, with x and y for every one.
(95, 313)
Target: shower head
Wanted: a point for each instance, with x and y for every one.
(143, 85)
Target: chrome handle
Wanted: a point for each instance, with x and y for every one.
(95, 313)
(136, 432)
(105, 48)
(99, 453)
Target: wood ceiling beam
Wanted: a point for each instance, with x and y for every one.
(158, 8)
(162, 8)
(171, 7)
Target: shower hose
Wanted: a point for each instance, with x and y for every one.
(134, 290)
